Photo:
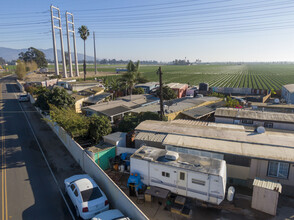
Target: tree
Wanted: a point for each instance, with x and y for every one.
(132, 76)
(75, 124)
(84, 33)
(57, 97)
(60, 98)
(115, 86)
(2, 61)
(43, 100)
(31, 66)
(138, 90)
(232, 103)
(33, 54)
(20, 69)
(99, 126)
(168, 93)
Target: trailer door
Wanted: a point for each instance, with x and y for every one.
(182, 183)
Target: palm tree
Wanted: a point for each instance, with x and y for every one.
(84, 33)
(115, 86)
(130, 78)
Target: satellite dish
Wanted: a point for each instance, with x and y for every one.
(277, 101)
(260, 130)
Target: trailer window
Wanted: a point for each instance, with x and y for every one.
(166, 174)
(182, 176)
(247, 121)
(199, 182)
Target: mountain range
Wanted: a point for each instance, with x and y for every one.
(9, 54)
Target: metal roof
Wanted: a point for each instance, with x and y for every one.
(98, 98)
(267, 184)
(269, 145)
(115, 111)
(246, 149)
(148, 84)
(255, 115)
(185, 161)
(289, 87)
(206, 123)
(177, 105)
(116, 136)
(203, 110)
(147, 136)
(177, 85)
(127, 101)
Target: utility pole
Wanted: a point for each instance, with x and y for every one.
(159, 72)
(95, 53)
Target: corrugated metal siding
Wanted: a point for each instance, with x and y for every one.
(258, 115)
(266, 184)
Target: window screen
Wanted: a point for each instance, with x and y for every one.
(278, 169)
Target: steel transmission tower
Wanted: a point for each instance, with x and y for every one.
(70, 20)
(59, 27)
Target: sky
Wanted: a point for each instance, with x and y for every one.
(162, 30)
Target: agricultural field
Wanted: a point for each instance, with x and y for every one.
(257, 76)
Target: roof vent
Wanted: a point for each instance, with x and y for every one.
(260, 130)
(171, 155)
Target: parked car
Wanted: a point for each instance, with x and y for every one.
(113, 214)
(23, 98)
(86, 196)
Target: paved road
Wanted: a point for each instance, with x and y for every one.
(28, 189)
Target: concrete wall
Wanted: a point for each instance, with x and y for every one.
(21, 88)
(118, 199)
(32, 99)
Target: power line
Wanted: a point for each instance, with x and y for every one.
(142, 6)
(189, 9)
(185, 15)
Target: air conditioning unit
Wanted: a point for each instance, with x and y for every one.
(171, 155)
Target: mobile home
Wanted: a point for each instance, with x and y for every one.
(193, 176)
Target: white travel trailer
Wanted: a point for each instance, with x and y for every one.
(193, 176)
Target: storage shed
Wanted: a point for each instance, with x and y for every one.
(150, 139)
(101, 154)
(117, 138)
(266, 195)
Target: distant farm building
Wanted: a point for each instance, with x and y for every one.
(147, 86)
(179, 88)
